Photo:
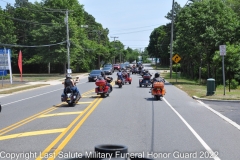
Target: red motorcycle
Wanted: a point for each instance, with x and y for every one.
(102, 88)
(127, 78)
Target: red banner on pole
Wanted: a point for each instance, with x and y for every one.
(20, 62)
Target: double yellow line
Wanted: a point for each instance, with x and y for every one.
(78, 123)
(24, 121)
(29, 119)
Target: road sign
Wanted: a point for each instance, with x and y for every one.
(176, 58)
(222, 49)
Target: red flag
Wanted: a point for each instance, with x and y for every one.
(20, 62)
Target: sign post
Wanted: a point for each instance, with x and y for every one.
(5, 61)
(222, 49)
(176, 58)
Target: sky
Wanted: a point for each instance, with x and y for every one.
(132, 21)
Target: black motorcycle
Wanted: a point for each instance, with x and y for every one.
(70, 96)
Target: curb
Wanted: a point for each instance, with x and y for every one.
(215, 100)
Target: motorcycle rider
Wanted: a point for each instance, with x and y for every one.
(107, 79)
(68, 82)
(120, 75)
(140, 67)
(147, 73)
(157, 78)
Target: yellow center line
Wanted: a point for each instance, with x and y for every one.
(29, 119)
(72, 133)
(83, 102)
(89, 95)
(18, 124)
(59, 114)
(64, 132)
(33, 133)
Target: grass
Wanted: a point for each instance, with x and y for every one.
(20, 88)
(41, 77)
(193, 88)
(19, 85)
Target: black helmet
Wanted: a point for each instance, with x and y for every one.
(157, 75)
(102, 73)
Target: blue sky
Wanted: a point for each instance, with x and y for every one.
(132, 21)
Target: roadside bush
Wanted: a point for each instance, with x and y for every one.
(176, 67)
(233, 84)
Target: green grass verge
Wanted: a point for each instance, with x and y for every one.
(22, 88)
(193, 88)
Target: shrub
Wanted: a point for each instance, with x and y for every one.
(176, 67)
(233, 84)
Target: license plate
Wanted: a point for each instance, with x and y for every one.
(68, 98)
(158, 88)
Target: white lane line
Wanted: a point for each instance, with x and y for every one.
(33, 96)
(210, 151)
(220, 115)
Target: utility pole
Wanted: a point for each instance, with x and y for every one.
(171, 48)
(115, 46)
(68, 43)
(99, 36)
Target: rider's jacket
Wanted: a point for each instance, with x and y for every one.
(119, 73)
(159, 79)
(68, 83)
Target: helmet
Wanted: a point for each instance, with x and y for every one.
(119, 70)
(157, 75)
(102, 73)
(146, 71)
(68, 76)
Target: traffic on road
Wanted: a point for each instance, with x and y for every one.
(36, 124)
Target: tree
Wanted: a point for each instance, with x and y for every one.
(201, 28)
(231, 63)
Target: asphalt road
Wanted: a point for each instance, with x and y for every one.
(36, 125)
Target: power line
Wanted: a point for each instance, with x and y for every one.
(137, 27)
(16, 45)
(31, 22)
(133, 32)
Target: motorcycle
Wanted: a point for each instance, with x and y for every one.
(102, 88)
(119, 82)
(146, 81)
(127, 78)
(134, 70)
(158, 90)
(69, 96)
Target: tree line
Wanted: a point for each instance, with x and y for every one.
(199, 28)
(39, 30)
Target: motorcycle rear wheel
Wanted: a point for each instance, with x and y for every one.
(157, 97)
(70, 104)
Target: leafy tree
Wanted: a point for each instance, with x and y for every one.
(231, 63)
(201, 27)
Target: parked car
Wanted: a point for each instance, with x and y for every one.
(116, 66)
(108, 70)
(93, 74)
